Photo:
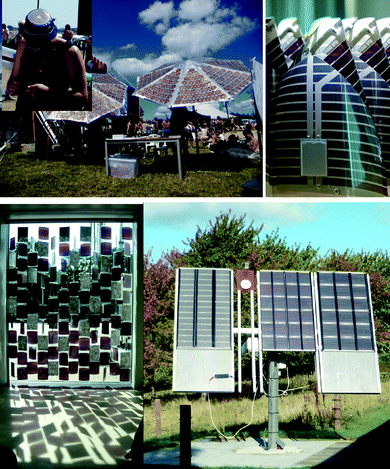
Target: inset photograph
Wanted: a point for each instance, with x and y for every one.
(328, 99)
(46, 48)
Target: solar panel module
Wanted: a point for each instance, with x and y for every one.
(203, 349)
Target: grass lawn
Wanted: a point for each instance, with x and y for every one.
(205, 175)
(300, 415)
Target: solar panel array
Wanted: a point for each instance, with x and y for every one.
(329, 313)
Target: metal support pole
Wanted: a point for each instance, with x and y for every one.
(273, 406)
(239, 341)
(254, 380)
(185, 436)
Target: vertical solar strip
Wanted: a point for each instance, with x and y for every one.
(204, 308)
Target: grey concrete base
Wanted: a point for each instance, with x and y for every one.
(250, 453)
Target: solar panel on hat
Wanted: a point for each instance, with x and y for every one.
(203, 341)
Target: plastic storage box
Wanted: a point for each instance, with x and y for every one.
(122, 166)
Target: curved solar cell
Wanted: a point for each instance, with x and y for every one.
(366, 44)
(291, 40)
(384, 31)
(316, 105)
(377, 92)
(328, 42)
(275, 58)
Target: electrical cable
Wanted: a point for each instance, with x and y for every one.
(242, 428)
(288, 389)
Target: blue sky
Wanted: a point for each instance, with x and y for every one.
(326, 225)
(133, 38)
(64, 11)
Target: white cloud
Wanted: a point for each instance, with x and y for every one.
(163, 112)
(243, 108)
(200, 38)
(197, 27)
(103, 56)
(194, 10)
(136, 67)
(129, 47)
(158, 14)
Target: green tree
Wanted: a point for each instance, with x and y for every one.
(227, 243)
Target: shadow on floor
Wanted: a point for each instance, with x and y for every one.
(368, 451)
(72, 428)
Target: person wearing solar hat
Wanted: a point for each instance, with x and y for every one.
(49, 72)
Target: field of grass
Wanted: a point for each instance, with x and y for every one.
(303, 414)
(205, 175)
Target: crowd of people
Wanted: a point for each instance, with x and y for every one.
(217, 134)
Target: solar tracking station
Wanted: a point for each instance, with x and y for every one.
(327, 313)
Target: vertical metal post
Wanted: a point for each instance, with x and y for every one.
(185, 436)
(239, 340)
(254, 380)
(273, 404)
(158, 418)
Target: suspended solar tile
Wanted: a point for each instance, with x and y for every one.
(127, 233)
(106, 248)
(366, 44)
(85, 250)
(384, 31)
(105, 232)
(43, 233)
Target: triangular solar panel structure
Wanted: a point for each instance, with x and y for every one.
(203, 350)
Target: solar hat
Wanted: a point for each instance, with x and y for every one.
(39, 27)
